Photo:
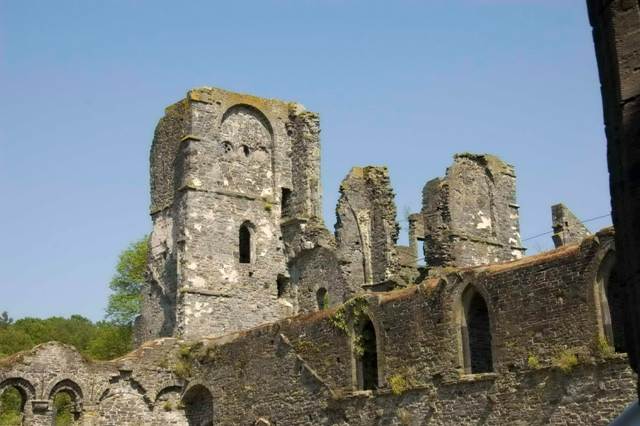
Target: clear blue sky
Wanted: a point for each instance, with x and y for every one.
(404, 84)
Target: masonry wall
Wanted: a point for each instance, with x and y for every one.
(470, 215)
(616, 25)
(303, 370)
(220, 162)
(366, 228)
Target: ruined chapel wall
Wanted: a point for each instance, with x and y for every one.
(301, 370)
(366, 228)
(590, 395)
(471, 216)
(312, 271)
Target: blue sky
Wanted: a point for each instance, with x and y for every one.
(404, 84)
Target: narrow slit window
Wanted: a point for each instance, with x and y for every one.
(285, 202)
(322, 298)
(245, 244)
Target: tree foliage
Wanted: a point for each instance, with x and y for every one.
(11, 407)
(126, 285)
(102, 340)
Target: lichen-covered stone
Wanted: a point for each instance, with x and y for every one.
(470, 215)
(567, 228)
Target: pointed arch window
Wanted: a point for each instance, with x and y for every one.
(612, 291)
(367, 357)
(475, 329)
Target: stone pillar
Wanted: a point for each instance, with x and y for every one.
(416, 233)
(567, 229)
(470, 215)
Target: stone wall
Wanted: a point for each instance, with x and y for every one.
(567, 228)
(366, 227)
(556, 368)
(470, 215)
(228, 173)
(616, 25)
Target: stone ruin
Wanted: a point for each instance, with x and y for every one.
(255, 313)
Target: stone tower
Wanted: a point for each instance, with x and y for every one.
(470, 215)
(227, 170)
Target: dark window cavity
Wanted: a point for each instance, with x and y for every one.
(285, 202)
(322, 298)
(245, 244)
(476, 333)
(615, 291)
(198, 406)
(367, 361)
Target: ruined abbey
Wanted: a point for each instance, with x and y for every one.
(256, 314)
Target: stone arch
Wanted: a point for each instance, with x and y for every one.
(68, 393)
(250, 111)
(26, 389)
(69, 386)
(74, 396)
(246, 243)
(365, 348)
(125, 395)
(198, 406)
(167, 406)
(609, 295)
(246, 164)
(475, 331)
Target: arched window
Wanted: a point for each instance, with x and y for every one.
(245, 243)
(475, 329)
(322, 298)
(67, 401)
(367, 357)
(612, 292)
(198, 406)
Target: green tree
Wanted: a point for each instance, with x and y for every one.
(63, 408)
(126, 285)
(110, 341)
(11, 407)
(5, 320)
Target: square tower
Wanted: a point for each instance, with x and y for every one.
(226, 169)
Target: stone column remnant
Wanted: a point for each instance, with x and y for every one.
(366, 228)
(567, 228)
(470, 215)
(416, 233)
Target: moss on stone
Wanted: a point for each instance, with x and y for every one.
(533, 362)
(398, 384)
(566, 361)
